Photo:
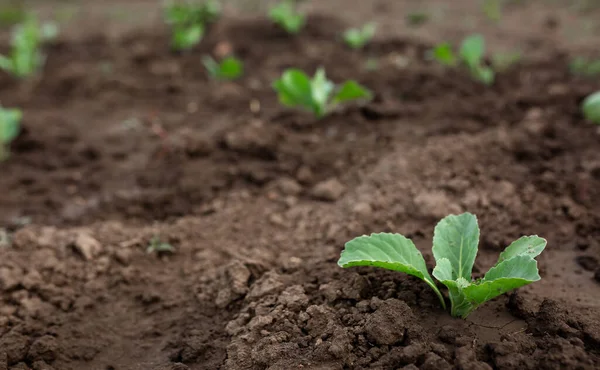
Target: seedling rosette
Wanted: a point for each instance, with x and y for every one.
(455, 244)
(317, 95)
(471, 54)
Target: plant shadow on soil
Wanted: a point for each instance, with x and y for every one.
(258, 200)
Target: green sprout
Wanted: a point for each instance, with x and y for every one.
(317, 95)
(356, 38)
(189, 21)
(455, 243)
(591, 107)
(158, 246)
(584, 67)
(287, 16)
(229, 68)
(26, 57)
(471, 54)
(10, 126)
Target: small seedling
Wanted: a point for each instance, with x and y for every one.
(10, 124)
(157, 246)
(591, 107)
(189, 21)
(584, 67)
(287, 16)
(318, 95)
(455, 243)
(229, 68)
(356, 38)
(471, 54)
(26, 57)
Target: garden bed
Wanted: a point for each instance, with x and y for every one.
(125, 140)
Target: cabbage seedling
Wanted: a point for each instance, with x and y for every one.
(318, 95)
(26, 57)
(10, 124)
(591, 107)
(286, 15)
(158, 246)
(189, 21)
(229, 68)
(455, 243)
(471, 54)
(356, 38)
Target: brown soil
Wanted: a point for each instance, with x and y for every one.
(124, 141)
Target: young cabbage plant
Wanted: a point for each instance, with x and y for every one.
(10, 124)
(455, 243)
(591, 107)
(26, 56)
(317, 95)
(471, 54)
(189, 21)
(229, 68)
(287, 16)
(356, 38)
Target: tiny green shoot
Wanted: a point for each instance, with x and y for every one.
(584, 67)
(317, 95)
(591, 108)
(189, 21)
(158, 246)
(286, 15)
(357, 38)
(471, 54)
(26, 57)
(455, 242)
(229, 68)
(10, 125)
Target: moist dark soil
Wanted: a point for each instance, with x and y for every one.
(125, 140)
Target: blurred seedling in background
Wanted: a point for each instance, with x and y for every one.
(591, 108)
(585, 67)
(492, 10)
(317, 95)
(159, 247)
(229, 68)
(503, 61)
(26, 57)
(417, 18)
(286, 15)
(471, 54)
(189, 21)
(10, 126)
(357, 38)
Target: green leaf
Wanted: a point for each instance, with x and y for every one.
(456, 238)
(285, 15)
(483, 74)
(294, 89)
(530, 246)
(506, 276)
(472, 50)
(389, 251)
(591, 107)
(321, 89)
(230, 68)
(351, 90)
(356, 38)
(443, 54)
(10, 123)
(187, 37)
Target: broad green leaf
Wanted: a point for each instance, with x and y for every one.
(187, 37)
(591, 107)
(530, 246)
(294, 89)
(456, 238)
(389, 251)
(231, 68)
(321, 89)
(472, 50)
(443, 54)
(506, 276)
(351, 90)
